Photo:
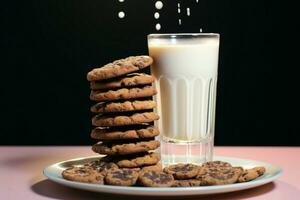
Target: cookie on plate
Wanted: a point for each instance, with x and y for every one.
(137, 132)
(125, 148)
(138, 160)
(122, 177)
(123, 120)
(182, 171)
(83, 174)
(220, 177)
(155, 179)
(251, 174)
(119, 68)
(216, 164)
(129, 80)
(107, 107)
(157, 167)
(101, 166)
(187, 183)
(122, 94)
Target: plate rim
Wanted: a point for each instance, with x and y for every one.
(173, 190)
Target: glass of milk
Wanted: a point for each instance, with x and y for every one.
(186, 68)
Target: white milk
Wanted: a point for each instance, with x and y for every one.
(186, 79)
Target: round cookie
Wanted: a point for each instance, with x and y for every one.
(157, 167)
(259, 170)
(155, 179)
(137, 118)
(83, 174)
(114, 134)
(128, 81)
(123, 177)
(122, 94)
(216, 164)
(139, 160)
(101, 166)
(119, 67)
(187, 183)
(213, 167)
(182, 171)
(221, 177)
(124, 149)
(251, 174)
(104, 107)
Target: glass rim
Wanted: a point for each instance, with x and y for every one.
(181, 35)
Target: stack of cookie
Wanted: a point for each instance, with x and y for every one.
(124, 114)
(124, 127)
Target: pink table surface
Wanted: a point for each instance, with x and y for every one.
(21, 173)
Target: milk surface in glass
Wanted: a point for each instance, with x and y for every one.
(185, 67)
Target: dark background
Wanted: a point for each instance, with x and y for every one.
(47, 47)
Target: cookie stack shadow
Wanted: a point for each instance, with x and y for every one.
(124, 117)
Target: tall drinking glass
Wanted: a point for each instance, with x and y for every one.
(185, 67)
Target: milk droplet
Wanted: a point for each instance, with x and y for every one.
(157, 27)
(178, 5)
(178, 10)
(197, 1)
(179, 21)
(156, 15)
(121, 14)
(121, 0)
(158, 5)
(188, 12)
(200, 30)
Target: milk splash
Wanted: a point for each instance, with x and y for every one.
(159, 5)
(121, 14)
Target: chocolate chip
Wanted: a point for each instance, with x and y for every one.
(222, 176)
(99, 105)
(158, 177)
(123, 175)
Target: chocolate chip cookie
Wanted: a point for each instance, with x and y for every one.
(83, 174)
(122, 94)
(157, 167)
(187, 183)
(119, 67)
(130, 133)
(216, 164)
(250, 174)
(123, 120)
(129, 80)
(101, 166)
(155, 179)
(220, 177)
(138, 160)
(123, 177)
(107, 107)
(182, 171)
(125, 148)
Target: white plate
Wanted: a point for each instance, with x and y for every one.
(53, 172)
